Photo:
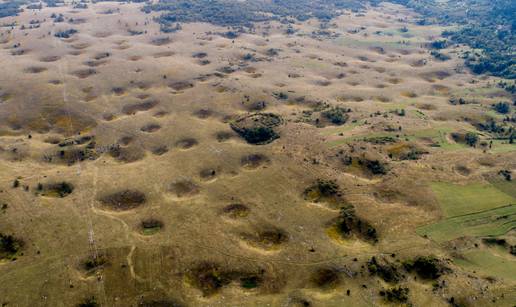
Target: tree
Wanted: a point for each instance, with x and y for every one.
(471, 139)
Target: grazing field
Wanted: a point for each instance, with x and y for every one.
(489, 264)
(491, 222)
(456, 200)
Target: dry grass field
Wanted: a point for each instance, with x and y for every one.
(141, 168)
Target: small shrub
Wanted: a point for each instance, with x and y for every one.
(426, 267)
(89, 302)
(502, 107)
(395, 295)
(9, 246)
(471, 139)
(336, 115)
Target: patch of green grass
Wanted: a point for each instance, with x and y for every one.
(358, 137)
(501, 146)
(508, 187)
(395, 43)
(419, 114)
(489, 264)
(492, 222)
(458, 200)
(437, 135)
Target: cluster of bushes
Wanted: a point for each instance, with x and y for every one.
(395, 295)
(244, 13)
(387, 271)
(502, 107)
(9, 246)
(65, 33)
(348, 223)
(429, 268)
(336, 115)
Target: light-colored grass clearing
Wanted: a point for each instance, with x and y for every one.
(309, 64)
(492, 222)
(458, 200)
(341, 129)
(489, 264)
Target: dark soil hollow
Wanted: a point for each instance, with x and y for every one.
(9, 246)
(184, 188)
(235, 211)
(35, 69)
(127, 154)
(223, 136)
(181, 85)
(94, 263)
(60, 190)
(208, 174)
(50, 58)
(203, 113)
(268, 238)
(273, 237)
(160, 41)
(118, 90)
(84, 73)
(254, 161)
(187, 143)
(160, 303)
(123, 200)
(149, 128)
(132, 109)
(326, 278)
(160, 150)
(151, 226)
(163, 54)
(209, 278)
(125, 140)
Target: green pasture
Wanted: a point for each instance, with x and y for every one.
(489, 264)
(493, 222)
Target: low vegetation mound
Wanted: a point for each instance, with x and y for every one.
(324, 191)
(123, 200)
(94, 263)
(211, 277)
(395, 295)
(184, 188)
(235, 211)
(9, 246)
(267, 238)
(187, 143)
(254, 161)
(348, 224)
(383, 269)
(258, 128)
(60, 189)
(336, 115)
(151, 226)
(428, 267)
(160, 303)
(134, 108)
(326, 278)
